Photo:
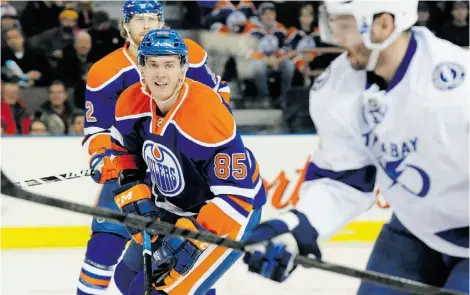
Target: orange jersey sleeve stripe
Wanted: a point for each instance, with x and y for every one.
(132, 103)
(215, 220)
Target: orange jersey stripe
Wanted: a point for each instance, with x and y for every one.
(212, 218)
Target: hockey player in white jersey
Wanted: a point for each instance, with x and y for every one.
(392, 111)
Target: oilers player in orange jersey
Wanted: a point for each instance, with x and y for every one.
(107, 79)
(201, 175)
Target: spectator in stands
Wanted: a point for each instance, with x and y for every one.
(271, 56)
(223, 9)
(456, 31)
(14, 117)
(22, 63)
(39, 16)
(9, 17)
(423, 14)
(53, 41)
(77, 124)
(85, 14)
(56, 112)
(38, 127)
(74, 67)
(105, 38)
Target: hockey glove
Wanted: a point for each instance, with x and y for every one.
(177, 255)
(102, 166)
(273, 245)
(136, 198)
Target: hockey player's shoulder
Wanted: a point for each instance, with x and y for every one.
(203, 116)
(338, 71)
(132, 103)
(108, 69)
(196, 54)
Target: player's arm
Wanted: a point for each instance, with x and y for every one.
(100, 97)
(338, 186)
(133, 195)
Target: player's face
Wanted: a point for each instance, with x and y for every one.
(346, 35)
(140, 24)
(162, 75)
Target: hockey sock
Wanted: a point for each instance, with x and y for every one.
(102, 255)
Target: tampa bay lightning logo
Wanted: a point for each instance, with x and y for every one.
(393, 158)
(165, 170)
(448, 75)
(395, 169)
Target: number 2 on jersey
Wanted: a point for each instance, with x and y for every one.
(226, 166)
(89, 112)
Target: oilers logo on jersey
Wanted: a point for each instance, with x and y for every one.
(164, 167)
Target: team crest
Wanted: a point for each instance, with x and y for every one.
(165, 170)
(448, 75)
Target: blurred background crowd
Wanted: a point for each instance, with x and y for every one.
(269, 52)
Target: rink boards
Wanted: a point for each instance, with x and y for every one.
(26, 225)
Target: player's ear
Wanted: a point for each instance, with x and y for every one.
(382, 27)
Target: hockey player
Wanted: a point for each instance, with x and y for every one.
(393, 109)
(201, 175)
(106, 81)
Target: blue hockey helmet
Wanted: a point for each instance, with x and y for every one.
(162, 42)
(131, 8)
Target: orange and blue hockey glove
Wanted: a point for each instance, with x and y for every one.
(177, 255)
(102, 166)
(136, 198)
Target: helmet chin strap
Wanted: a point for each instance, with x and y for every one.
(376, 49)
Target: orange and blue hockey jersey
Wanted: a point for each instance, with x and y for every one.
(198, 167)
(111, 75)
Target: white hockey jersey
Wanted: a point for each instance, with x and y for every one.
(412, 140)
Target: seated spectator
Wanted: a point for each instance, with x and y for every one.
(271, 55)
(15, 119)
(53, 41)
(39, 16)
(225, 8)
(105, 38)
(85, 14)
(456, 31)
(235, 23)
(73, 68)
(77, 124)
(22, 63)
(38, 127)
(56, 112)
(9, 17)
(423, 15)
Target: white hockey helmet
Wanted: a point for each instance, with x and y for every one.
(405, 14)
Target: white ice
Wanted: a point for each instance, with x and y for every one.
(55, 272)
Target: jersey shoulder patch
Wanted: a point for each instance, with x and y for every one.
(448, 75)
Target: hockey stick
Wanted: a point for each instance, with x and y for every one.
(54, 178)
(8, 188)
(147, 253)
